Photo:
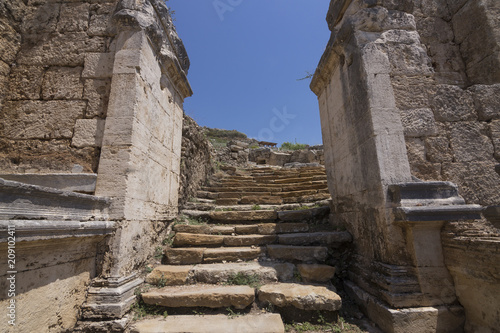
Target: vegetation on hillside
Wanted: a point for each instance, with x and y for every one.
(293, 146)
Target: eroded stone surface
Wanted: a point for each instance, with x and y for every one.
(304, 297)
(205, 296)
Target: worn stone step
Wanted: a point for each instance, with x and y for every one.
(254, 215)
(331, 239)
(316, 272)
(200, 205)
(248, 240)
(303, 214)
(239, 195)
(293, 180)
(268, 200)
(232, 254)
(227, 202)
(304, 297)
(307, 198)
(209, 296)
(187, 239)
(244, 189)
(250, 323)
(186, 256)
(298, 253)
(282, 228)
(305, 187)
(263, 272)
(295, 193)
(204, 229)
(262, 229)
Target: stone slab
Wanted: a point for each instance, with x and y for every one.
(169, 275)
(183, 256)
(247, 240)
(231, 254)
(266, 272)
(262, 323)
(74, 182)
(282, 228)
(23, 201)
(444, 319)
(323, 238)
(316, 272)
(300, 253)
(184, 239)
(305, 297)
(254, 215)
(204, 229)
(201, 296)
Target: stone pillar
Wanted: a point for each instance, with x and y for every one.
(139, 165)
(398, 275)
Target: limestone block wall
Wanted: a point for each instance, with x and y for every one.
(197, 160)
(55, 70)
(451, 110)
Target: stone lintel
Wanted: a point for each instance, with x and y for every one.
(35, 230)
(413, 319)
(75, 182)
(424, 193)
(420, 215)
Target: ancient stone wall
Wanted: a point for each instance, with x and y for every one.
(197, 160)
(398, 99)
(55, 99)
(449, 100)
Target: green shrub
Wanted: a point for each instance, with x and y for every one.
(293, 146)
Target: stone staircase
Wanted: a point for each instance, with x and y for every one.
(255, 243)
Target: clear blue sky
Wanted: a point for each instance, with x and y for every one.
(246, 57)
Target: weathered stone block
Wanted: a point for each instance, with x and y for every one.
(98, 65)
(88, 133)
(418, 122)
(436, 29)
(411, 92)
(23, 120)
(409, 59)
(478, 182)
(315, 272)
(96, 92)
(26, 82)
(438, 149)
(451, 103)
(58, 50)
(73, 17)
(487, 101)
(10, 42)
(495, 136)
(41, 18)
(420, 167)
(469, 142)
(300, 296)
(169, 275)
(62, 83)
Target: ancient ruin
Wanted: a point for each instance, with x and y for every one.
(119, 214)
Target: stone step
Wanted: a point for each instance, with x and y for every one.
(187, 239)
(294, 180)
(298, 253)
(253, 215)
(249, 323)
(307, 198)
(330, 239)
(186, 256)
(267, 200)
(303, 297)
(243, 189)
(242, 229)
(173, 275)
(263, 272)
(197, 295)
(295, 193)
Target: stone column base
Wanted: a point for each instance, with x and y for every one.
(439, 319)
(110, 298)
